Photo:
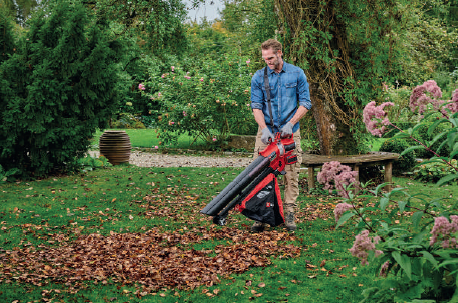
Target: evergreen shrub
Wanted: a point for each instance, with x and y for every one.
(421, 133)
(6, 37)
(55, 90)
(406, 162)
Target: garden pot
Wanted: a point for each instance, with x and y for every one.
(115, 146)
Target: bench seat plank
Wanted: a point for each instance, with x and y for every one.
(355, 161)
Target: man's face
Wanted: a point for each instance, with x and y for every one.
(273, 60)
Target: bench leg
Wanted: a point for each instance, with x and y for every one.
(311, 177)
(388, 174)
(356, 169)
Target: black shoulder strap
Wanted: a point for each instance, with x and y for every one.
(267, 87)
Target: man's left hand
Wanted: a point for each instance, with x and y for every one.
(287, 130)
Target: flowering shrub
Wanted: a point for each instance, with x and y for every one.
(363, 245)
(340, 209)
(413, 245)
(376, 118)
(433, 172)
(333, 174)
(210, 101)
(420, 100)
(443, 229)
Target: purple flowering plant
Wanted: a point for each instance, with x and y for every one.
(338, 176)
(410, 240)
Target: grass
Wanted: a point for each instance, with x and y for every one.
(377, 143)
(147, 138)
(53, 214)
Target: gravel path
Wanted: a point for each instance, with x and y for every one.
(145, 159)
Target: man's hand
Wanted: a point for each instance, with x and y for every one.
(266, 136)
(287, 130)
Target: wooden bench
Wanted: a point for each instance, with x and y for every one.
(355, 162)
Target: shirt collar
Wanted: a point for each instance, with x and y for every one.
(283, 69)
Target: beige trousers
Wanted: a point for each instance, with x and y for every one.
(292, 172)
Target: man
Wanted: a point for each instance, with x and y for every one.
(290, 101)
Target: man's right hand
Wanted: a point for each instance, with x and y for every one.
(266, 136)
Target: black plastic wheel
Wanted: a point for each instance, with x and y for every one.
(219, 220)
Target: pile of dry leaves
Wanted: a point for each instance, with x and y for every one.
(152, 260)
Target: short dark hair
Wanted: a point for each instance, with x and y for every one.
(271, 43)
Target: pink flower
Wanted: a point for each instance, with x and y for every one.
(184, 114)
(333, 174)
(201, 79)
(156, 147)
(453, 107)
(159, 94)
(340, 209)
(141, 86)
(173, 68)
(419, 99)
(163, 76)
(363, 244)
(376, 118)
(384, 269)
(171, 122)
(443, 229)
(187, 77)
(214, 139)
(248, 62)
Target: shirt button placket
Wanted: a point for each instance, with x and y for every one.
(279, 100)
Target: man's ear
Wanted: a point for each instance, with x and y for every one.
(279, 53)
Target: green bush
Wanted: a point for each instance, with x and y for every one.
(89, 163)
(6, 37)
(393, 131)
(421, 133)
(126, 120)
(434, 171)
(209, 100)
(406, 162)
(56, 90)
(408, 237)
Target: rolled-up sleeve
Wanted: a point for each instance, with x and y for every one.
(303, 91)
(257, 96)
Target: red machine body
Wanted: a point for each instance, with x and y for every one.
(258, 176)
(283, 149)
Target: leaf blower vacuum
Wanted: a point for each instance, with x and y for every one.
(255, 191)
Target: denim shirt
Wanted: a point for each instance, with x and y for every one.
(288, 89)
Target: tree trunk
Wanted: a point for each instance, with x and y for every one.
(326, 65)
(334, 136)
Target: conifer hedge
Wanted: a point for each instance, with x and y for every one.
(56, 88)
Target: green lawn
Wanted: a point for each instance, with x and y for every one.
(148, 138)
(144, 240)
